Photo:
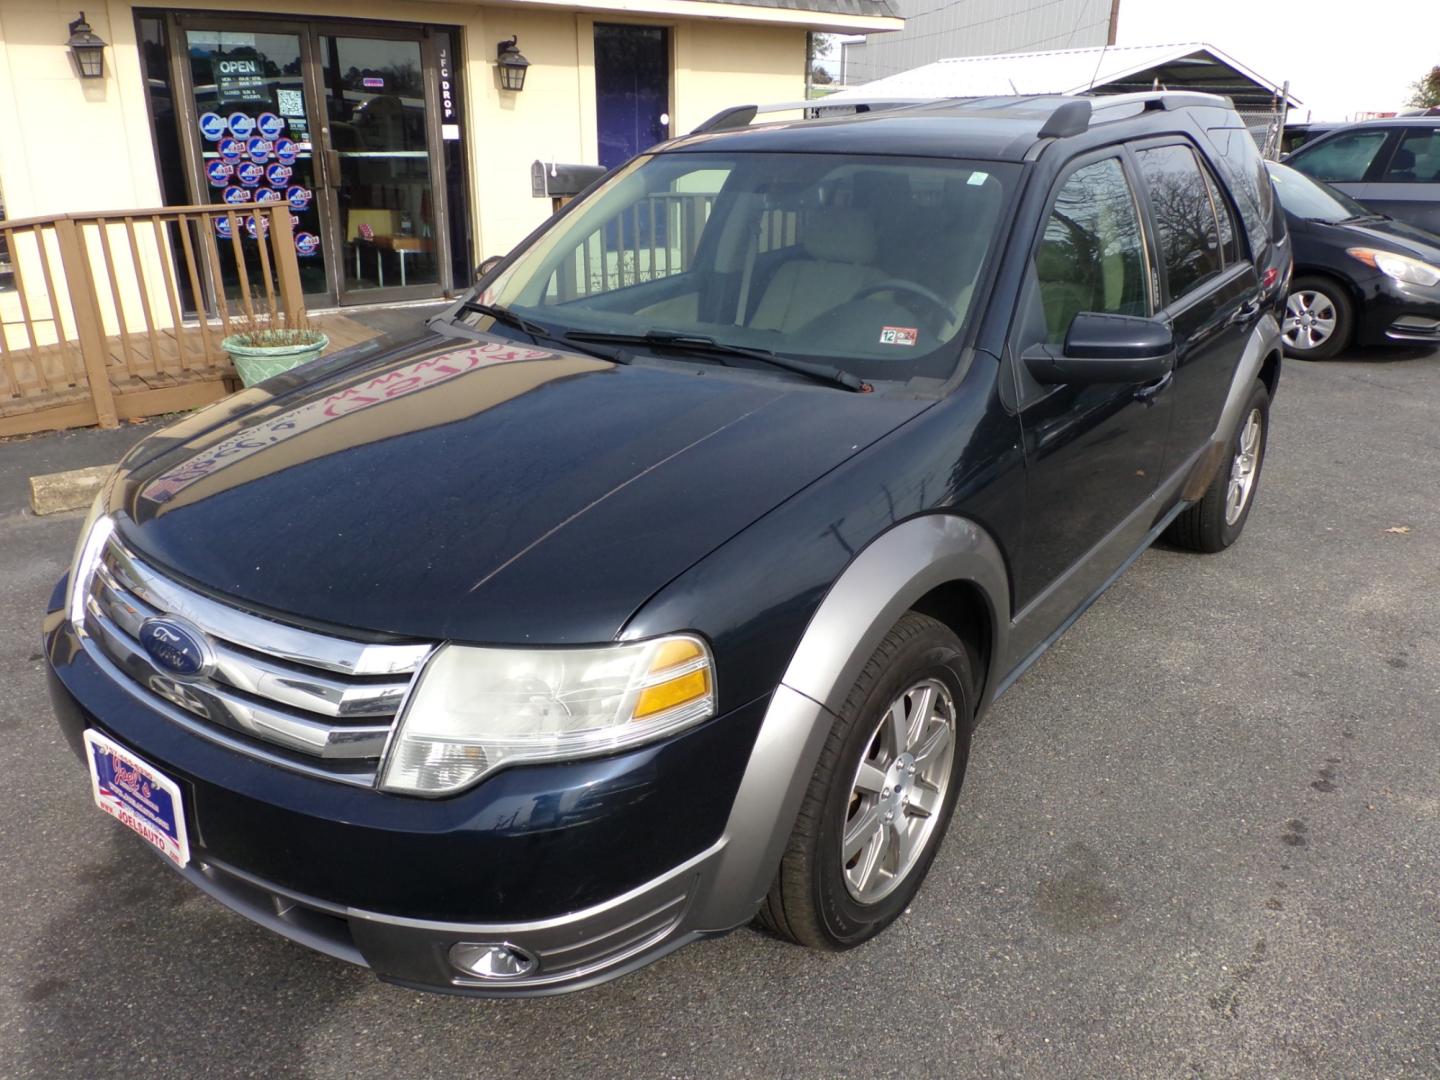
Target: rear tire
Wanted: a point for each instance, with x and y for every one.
(1319, 319)
(898, 747)
(1216, 521)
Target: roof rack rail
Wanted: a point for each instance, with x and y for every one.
(739, 116)
(1157, 99)
(1069, 118)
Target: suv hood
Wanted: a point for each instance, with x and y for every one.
(479, 490)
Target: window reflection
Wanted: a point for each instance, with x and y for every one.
(1184, 217)
(1092, 255)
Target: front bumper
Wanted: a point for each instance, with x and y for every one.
(1395, 313)
(593, 868)
(572, 951)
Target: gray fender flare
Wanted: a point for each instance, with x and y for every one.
(868, 598)
(1264, 340)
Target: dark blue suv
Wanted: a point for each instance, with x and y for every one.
(659, 584)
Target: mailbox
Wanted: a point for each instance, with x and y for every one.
(561, 183)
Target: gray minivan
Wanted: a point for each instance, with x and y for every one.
(1391, 166)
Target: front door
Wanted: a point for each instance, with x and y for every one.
(341, 125)
(1093, 454)
(379, 185)
(632, 90)
(252, 132)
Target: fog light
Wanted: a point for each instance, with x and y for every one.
(492, 960)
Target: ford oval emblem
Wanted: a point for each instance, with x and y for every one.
(176, 647)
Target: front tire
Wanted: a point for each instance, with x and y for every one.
(1319, 319)
(882, 794)
(1216, 521)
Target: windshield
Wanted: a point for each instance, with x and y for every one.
(869, 264)
(1312, 200)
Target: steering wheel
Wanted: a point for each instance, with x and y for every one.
(942, 308)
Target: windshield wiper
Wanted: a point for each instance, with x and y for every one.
(536, 330)
(708, 346)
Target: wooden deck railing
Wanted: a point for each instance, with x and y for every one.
(115, 314)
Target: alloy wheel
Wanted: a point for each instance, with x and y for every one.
(1244, 468)
(1310, 319)
(898, 791)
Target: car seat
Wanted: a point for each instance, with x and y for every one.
(1402, 167)
(840, 244)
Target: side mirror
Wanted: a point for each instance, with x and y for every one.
(1102, 348)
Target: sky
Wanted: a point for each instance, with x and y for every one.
(1341, 57)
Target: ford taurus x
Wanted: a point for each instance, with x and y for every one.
(657, 587)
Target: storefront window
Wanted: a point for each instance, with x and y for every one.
(356, 129)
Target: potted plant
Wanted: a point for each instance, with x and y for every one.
(266, 345)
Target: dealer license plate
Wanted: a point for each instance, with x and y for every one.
(138, 796)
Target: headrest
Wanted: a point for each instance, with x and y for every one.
(1404, 159)
(840, 234)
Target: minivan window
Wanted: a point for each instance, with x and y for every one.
(1416, 159)
(1184, 217)
(1343, 159)
(1092, 254)
(867, 263)
(1311, 200)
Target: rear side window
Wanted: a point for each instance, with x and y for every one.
(1092, 254)
(1416, 160)
(1343, 159)
(1184, 216)
(1243, 166)
(1223, 216)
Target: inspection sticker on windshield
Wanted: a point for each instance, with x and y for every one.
(898, 335)
(137, 796)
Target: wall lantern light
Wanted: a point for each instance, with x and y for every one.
(89, 49)
(511, 65)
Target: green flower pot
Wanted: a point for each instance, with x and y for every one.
(257, 363)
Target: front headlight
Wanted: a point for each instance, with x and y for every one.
(88, 549)
(474, 709)
(1400, 267)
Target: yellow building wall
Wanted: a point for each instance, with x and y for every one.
(68, 144)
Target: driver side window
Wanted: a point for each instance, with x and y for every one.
(1092, 255)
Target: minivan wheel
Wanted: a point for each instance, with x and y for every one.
(1318, 319)
(1216, 521)
(882, 794)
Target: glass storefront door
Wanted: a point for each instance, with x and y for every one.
(341, 125)
(252, 124)
(380, 182)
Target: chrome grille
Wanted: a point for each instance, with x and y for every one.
(313, 701)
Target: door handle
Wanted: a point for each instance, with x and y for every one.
(1150, 391)
(1245, 312)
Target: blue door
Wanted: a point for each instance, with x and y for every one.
(632, 90)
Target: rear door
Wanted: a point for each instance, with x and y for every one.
(1408, 187)
(1209, 284)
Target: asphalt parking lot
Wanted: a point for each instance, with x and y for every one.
(1201, 837)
